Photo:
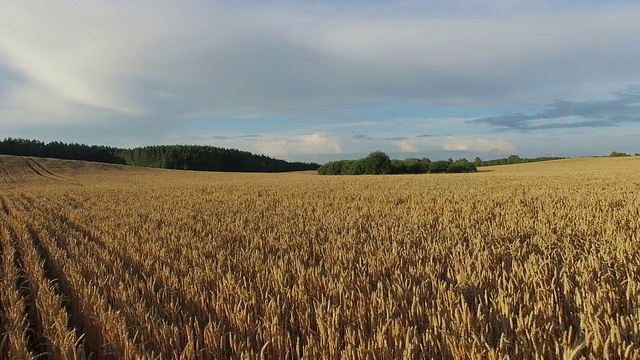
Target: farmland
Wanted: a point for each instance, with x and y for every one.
(522, 261)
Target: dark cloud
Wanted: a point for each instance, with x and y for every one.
(250, 136)
(361, 137)
(425, 135)
(563, 114)
(367, 137)
(394, 138)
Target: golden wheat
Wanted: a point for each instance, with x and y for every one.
(526, 261)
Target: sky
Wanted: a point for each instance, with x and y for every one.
(325, 80)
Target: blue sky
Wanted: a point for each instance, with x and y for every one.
(326, 80)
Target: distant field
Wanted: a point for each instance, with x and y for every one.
(538, 260)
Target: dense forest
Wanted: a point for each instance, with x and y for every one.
(185, 157)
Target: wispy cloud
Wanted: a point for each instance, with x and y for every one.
(481, 145)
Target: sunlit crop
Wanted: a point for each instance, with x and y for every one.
(525, 261)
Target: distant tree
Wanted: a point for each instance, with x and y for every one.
(376, 163)
(461, 166)
(398, 167)
(340, 167)
(416, 166)
(614, 153)
(379, 163)
(440, 166)
(410, 166)
(356, 167)
(514, 159)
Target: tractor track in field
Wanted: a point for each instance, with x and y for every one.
(45, 173)
(44, 169)
(137, 271)
(133, 267)
(5, 206)
(53, 272)
(36, 169)
(34, 334)
(36, 340)
(4, 348)
(94, 344)
(54, 275)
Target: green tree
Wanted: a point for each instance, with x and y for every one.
(614, 153)
(376, 163)
(416, 166)
(461, 166)
(356, 167)
(340, 167)
(514, 159)
(398, 167)
(440, 166)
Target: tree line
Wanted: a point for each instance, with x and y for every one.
(379, 163)
(185, 157)
(512, 159)
(614, 153)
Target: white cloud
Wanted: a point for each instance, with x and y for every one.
(482, 145)
(406, 146)
(316, 143)
(71, 50)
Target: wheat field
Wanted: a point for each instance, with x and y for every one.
(530, 261)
